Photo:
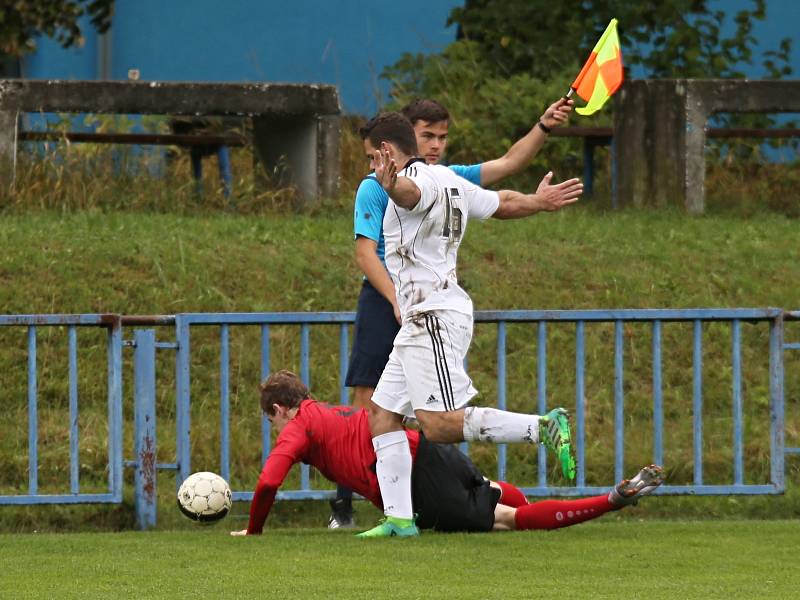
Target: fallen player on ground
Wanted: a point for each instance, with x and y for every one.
(449, 493)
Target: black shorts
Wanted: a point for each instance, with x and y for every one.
(448, 491)
(374, 336)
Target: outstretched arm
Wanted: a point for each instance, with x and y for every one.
(289, 448)
(549, 198)
(523, 151)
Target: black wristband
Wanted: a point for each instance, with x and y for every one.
(544, 127)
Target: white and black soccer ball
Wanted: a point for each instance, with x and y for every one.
(204, 497)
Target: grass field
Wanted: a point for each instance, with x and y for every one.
(604, 559)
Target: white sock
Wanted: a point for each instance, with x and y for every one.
(492, 425)
(394, 473)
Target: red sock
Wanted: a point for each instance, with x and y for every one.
(511, 495)
(552, 514)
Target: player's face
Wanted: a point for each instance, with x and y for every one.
(281, 417)
(431, 140)
(370, 151)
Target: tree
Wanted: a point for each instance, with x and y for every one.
(513, 57)
(669, 38)
(21, 21)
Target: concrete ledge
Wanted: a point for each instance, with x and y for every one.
(660, 133)
(298, 122)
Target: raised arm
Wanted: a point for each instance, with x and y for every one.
(548, 198)
(402, 190)
(523, 151)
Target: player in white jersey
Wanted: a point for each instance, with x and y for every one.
(424, 225)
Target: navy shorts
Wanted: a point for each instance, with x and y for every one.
(374, 336)
(448, 491)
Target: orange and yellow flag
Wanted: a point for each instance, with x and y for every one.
(601, 76)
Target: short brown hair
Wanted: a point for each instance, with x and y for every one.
(424, 109)
(283, 388)
(391, 127)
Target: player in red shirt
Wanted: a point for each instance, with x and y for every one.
(448, 491)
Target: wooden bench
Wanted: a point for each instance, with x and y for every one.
(296, 126)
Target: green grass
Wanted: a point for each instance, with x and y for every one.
(605, 559)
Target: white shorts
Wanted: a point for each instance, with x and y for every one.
(426, 367)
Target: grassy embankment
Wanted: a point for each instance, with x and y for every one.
(141, 263)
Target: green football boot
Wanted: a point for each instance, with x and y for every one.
(554, 434)
(391, 527)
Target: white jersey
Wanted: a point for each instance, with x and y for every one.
(422, 243)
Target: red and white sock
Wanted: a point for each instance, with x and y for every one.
(552, 514)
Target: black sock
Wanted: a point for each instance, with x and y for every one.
(343, 493)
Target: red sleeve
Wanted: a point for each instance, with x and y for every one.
(289, 449)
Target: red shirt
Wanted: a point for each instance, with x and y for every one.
(333, 439)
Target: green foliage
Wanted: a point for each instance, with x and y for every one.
(511, 62)
(677, 38)
(488, 112)
(22, 21)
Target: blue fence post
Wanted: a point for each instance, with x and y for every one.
(33, 416)
(144, 407)
(776, 402)
(74, 466)
(619, 401)
(224, 403)
(580, 398)
(265, 366)
(658, 398)
(115, 408)
(541, 395)
(501, 393)
(183, 394)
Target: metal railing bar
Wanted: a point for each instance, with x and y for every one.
(502, 449)
(74, 462)
(541, 394)
(580, 395)
(266, 426)
(33, 415)
(658, 398)
(619, 402)
(738, 450)
(305, 375)
(697, 402)
(344, 395)
(224, 402)
(114, 342)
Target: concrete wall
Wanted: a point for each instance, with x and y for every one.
(660, 133)
(296, 125)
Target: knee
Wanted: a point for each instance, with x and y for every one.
(383, 421)
(435, 426)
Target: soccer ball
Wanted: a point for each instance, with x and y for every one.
(204, 497)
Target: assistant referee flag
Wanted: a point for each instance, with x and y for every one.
(601, 76)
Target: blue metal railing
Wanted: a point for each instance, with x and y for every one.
(112, 323)
(656, 318)
(146, 346)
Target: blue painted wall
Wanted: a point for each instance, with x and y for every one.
(344, 43)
